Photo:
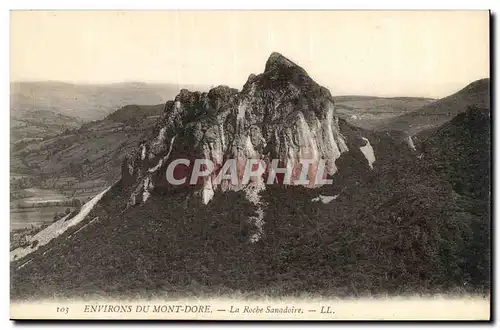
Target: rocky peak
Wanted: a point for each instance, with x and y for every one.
(279, 114)
(278, 62)
(281, 73)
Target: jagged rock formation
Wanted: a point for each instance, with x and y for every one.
(279, 114)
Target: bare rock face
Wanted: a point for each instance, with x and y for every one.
(279, 114)
(294, 115)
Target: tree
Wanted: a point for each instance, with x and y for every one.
(76, 203)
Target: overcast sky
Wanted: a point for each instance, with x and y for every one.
(394, 53)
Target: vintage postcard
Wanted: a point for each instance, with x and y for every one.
(250, 165)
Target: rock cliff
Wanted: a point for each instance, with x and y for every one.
(280, 114)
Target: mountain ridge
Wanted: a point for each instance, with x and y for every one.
(476, 93)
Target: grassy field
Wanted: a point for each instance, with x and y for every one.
(37, 206)
(26, 218)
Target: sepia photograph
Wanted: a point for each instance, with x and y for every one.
(250, 165)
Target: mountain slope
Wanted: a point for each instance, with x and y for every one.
(92, 152)
(436, 113)
(132, 114)
(38, 124)
(393, 224)
(461, 150)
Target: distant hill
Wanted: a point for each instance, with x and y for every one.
(88, 102)
(436, 113)
(37, 124)
(41, 109)
(369, 111)
(357, 98)
(93, 151)
(134, 113)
